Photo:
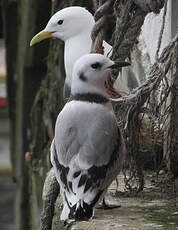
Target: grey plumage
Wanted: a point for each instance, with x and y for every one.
(88, 149)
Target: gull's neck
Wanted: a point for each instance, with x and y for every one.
(82, 92)
(80, 87)
(75, 47)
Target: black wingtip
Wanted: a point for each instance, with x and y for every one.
(81, 212)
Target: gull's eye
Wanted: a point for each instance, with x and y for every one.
(60, 22)
(96, 65)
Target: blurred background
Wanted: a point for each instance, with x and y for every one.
(31, 84)
(7, 187)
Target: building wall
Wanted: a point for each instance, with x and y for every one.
(144, 52)
(151, 30)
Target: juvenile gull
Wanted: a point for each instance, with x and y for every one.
(73, 25)
(88, 149)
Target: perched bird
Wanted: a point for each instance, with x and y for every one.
(73, 25)
(88, 149)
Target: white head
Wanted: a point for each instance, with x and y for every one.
(90, 72)
(66, 23)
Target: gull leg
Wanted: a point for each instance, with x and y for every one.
(105, 205)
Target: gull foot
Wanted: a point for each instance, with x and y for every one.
(106, 206)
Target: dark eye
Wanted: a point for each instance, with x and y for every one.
(60, 22)
(96, 65)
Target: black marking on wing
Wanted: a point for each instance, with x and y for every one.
(63, 170)
(82, 180)
(89, 97)
(92, 179)
(70, 186)
(95, 200)
(76, 174)
(83, 211)
(99, 173)
(88, 185)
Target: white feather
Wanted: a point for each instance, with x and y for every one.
(76, 33)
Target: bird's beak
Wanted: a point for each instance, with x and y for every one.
(118, 64)
(40, 36)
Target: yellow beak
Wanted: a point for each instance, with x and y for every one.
(40, 36)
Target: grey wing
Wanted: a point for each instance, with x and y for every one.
(63, 148)
(90, 159)
(101, 140)
(90, 142)
(109, 154)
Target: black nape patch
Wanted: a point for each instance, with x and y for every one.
(82, 77)
(89, 97)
